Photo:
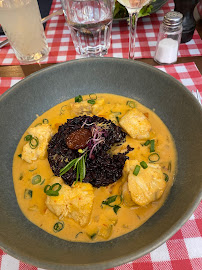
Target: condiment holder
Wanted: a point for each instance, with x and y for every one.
(169, 38)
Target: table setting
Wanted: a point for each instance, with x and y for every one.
(123, 56)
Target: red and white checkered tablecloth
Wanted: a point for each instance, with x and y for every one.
(62, 48)
(183, 251)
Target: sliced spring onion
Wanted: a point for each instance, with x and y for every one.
(21, 176)
(91, 101)
(78, 98)
(152, 143)
(28, 138)
(47, 187)
(117, 119)
(146, 143)
(20, 155)
(39, 124)
(143, 164)
(169, 166)
(42, 182)
(130, 103)
(166, 177)
(28, 194)
(116, 113)
(32, 170)
(36, 179)
(52, 190)
(45, 121)
(154, 157)
(136, 171)
(63, 108)
(56, 187)
(78, 234)
(93, 96)
(34, 142)
(52, 193)
(58, 226)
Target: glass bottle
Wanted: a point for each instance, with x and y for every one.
(186, 7)
(169, 38)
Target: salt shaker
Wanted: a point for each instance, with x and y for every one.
(169, 38)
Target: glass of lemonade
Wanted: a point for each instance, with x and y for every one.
(21, 22)
(90, 23)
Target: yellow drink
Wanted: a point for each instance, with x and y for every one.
(21, 22)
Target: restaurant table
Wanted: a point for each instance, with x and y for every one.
(184, 249)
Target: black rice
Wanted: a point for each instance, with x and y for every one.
(102, 168)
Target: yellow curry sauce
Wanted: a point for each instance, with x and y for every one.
(129, 216)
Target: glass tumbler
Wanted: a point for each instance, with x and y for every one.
(21, 22)
(90, 23)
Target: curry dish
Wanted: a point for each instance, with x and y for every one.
(94, 167)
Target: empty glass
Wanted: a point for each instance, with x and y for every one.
(21, 22)
(90, 23)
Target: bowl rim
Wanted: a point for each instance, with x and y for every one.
(123, 259)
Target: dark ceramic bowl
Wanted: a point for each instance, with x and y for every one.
(175, 105)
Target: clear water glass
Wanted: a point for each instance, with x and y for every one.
(21, 22)
(90, 23)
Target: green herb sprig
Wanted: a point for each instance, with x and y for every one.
(80, 166)
(111, 200)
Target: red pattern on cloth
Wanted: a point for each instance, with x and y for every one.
(62, 48)
(183, 251)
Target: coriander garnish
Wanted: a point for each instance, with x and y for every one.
(112, 199)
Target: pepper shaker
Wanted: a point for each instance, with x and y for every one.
(169, 38)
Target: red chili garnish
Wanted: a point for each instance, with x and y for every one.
(78, 139)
